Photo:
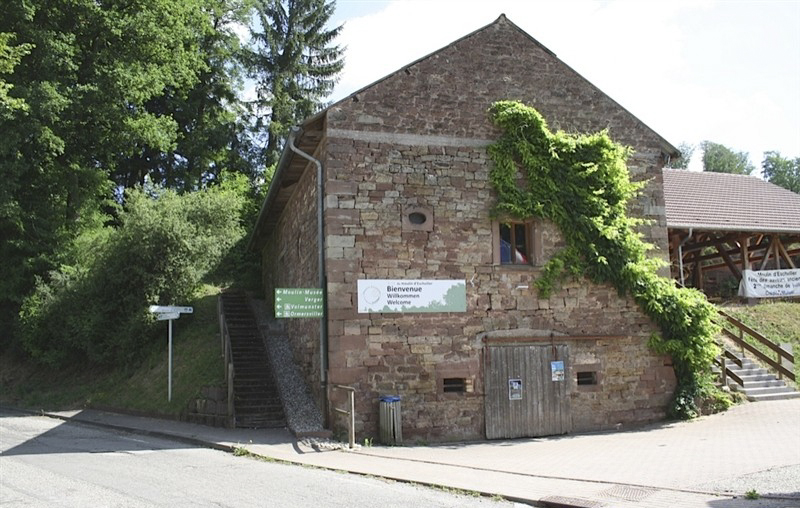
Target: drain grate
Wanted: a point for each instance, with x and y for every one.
(568, 502)
(628, 493)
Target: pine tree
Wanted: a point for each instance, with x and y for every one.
(295, 64)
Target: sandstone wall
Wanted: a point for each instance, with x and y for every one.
(289, 260)
(417, 140)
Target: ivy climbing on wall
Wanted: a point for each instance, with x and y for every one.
(581, 183)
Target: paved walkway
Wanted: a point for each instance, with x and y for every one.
(710, 462)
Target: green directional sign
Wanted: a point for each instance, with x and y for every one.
(299, 303)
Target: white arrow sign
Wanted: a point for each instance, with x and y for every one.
(160, 309)
(168, 315)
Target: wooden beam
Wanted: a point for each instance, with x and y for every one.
(728, 261)
(701, 244)
(766, 255)
(754, 259)
(731, 252)
(785, 254)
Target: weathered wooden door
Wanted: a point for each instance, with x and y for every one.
(526, 390)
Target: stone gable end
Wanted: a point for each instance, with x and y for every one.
(416, 141)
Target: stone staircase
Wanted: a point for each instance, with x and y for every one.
(758, 383)
(256, 401)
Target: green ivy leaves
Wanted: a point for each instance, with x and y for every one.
(581, 183)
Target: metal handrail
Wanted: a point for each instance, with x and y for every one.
(227, 355)
(351, 421)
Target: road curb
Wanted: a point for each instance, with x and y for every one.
(131, 430)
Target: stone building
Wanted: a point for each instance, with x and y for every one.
(406, 202)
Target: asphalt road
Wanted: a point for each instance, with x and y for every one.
(47, 462)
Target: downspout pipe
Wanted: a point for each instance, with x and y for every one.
(680, 253)
(323, 325)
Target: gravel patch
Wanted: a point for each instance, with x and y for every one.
(302, 413)
(781, 482)
(324, 445)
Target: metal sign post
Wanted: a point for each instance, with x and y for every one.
(164, 313)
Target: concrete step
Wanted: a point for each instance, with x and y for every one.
(256, 400)
(774, 396)
(763, 383)
(758, 383)
(768, 389)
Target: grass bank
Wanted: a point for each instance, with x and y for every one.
(777, 321)
(143, 387)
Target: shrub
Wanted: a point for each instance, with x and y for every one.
(96, 310)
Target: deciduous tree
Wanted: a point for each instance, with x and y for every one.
(91, 70)
(721, 159)
(682, 162)
(782, 171)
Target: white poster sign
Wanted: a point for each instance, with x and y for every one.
(770, 283)
(387, 295)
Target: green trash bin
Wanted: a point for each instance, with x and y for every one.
(389, 421)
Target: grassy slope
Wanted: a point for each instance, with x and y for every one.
(778, 321)
(196, 362)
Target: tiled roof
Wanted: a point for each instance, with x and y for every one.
(725, 202)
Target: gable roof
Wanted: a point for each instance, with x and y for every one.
(290, 167)
(726, 202)
(665, 145)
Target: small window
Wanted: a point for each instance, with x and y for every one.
(454, 385)
(515, 243)
(587, 378)
(417, 218)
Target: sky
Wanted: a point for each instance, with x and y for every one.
(725, 71)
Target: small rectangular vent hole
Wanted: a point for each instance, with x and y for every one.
(454, 385)
(587, 378)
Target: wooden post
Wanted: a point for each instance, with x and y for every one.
(724, 374)
(744, 240)
(741, 339)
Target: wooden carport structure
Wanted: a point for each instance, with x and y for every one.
(719, 221)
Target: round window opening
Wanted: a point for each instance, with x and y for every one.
(417, 218)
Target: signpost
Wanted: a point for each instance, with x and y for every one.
(163, 313)
(299, 303)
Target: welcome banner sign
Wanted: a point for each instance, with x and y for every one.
(390, 295)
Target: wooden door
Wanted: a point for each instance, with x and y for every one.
(524, 395)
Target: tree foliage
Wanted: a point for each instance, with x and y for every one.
(682, 162)
(721, 159)
(782, 171)
(581, 183)
(10, 56)
(295, 63)
(107, 94)
(96, 309)
(100, 97)
(210, 124)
